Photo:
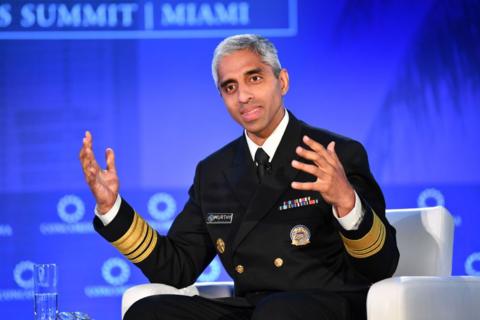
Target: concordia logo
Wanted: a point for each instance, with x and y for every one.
(432, 194)
(115, 272)
(472, 264)
(162, 207)
(23, 277)
(427, 196)
(70, 209)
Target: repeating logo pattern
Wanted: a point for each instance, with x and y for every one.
(71, 210)
(472, 264)
(162, 207)
(430, 197)
(116, 273)
(23, 278)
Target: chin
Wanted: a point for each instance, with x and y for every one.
(252, 126)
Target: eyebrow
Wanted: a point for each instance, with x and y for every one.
(253, 71)
(247, 73)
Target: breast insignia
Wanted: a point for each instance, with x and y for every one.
(300, 235)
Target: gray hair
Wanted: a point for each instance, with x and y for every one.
(256, 43)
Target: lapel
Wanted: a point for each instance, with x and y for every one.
(266, 194)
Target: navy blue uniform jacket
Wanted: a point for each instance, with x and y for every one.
(254, 238)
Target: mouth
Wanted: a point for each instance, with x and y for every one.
(251, 114)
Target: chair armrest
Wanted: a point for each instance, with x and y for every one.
(133, 294)
(422, 298)
(218, 289)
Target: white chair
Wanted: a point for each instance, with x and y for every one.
(421, 288)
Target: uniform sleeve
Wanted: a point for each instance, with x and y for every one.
(176, 259)
(372, 248)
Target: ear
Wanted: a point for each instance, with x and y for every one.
(284, 81)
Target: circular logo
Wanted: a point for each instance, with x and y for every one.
(433, 194)
(212, 272)
(115, 271)
(166, 201)
(23, 274)
(70, 208)
(470, 264)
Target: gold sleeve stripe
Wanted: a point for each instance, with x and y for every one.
(148, 251)
(145, 241)
(139, 240)
(135, 239)
(377, 246)
(369, 244)
(130, 230)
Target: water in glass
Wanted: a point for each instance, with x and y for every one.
(45, 306)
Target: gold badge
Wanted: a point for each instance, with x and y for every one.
(220, 245)
(300, 235)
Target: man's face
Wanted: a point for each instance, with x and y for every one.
(252, 93)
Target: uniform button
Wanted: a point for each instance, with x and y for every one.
(239, 268)
(220, 245)
(278, 262)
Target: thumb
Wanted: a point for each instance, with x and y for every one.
(110, 157)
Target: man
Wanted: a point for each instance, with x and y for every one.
(293, 212)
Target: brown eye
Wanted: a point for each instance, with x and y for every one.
(229, 88)
(255, 78)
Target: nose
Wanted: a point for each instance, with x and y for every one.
(244, 95)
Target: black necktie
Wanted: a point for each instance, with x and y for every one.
(261, 159)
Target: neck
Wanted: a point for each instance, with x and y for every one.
(260, 137)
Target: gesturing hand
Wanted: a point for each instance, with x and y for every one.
(332, 182)
(102, 183)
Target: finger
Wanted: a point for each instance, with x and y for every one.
(83, 156)
(319, 148)
(110, 158)
(308, 168)
(89, 160)
(316, 158)
(87, 143)
(88, 140)
(314, 145)
(331, 150)
(304, 186)
(91, 174)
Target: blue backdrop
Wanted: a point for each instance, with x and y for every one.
(402, 77)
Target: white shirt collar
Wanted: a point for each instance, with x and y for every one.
(271, 144)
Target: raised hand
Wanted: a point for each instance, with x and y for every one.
(332, 182)
(103, 183)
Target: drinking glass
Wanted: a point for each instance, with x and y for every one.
(45, 293)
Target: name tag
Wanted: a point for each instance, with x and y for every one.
(219, 218)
